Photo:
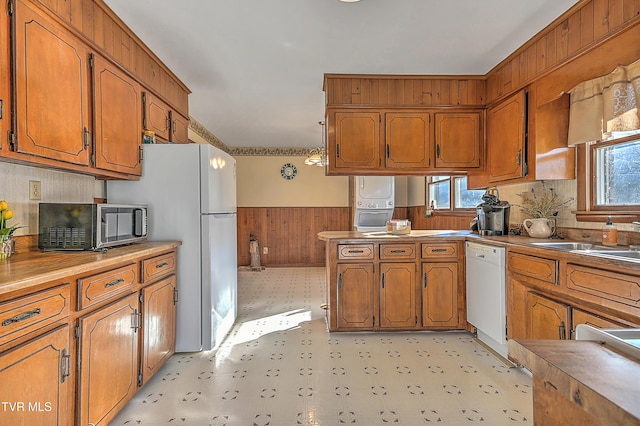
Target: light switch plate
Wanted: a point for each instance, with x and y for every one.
(35, 190)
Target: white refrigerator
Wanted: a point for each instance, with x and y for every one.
(190, 190)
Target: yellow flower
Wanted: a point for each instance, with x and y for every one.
(7, 214)
(3, 205)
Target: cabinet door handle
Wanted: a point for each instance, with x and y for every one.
(65, 366)
(438, 150)
(135, 320)
(338, 150)
(519, 157)
(382, 280)
(425, 279)
(561, 329)
(114, 282)
(167, 124)
(86, 137)
(340, 281)
(388, 151)
(21, 317)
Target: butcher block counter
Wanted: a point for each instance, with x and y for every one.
(26, 272)
(76, 324)
(580, 382)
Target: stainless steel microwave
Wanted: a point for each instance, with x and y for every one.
(73, 226)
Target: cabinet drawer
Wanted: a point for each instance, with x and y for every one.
(158, 267)
(100, 287)
(604, 284)
(355, 251)
(534, 267)
(397, 251)
(438, 250)
(23, 315)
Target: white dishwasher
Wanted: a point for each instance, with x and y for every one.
(486, 294)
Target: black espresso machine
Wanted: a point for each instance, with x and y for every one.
(493, 214)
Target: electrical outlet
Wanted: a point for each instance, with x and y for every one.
(35, 190)
(265, 250)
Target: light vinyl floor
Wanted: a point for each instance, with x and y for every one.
(279, 366)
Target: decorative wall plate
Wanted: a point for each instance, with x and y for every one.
(288, 171)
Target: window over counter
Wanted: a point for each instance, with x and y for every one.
(450, 194)
(609, 179)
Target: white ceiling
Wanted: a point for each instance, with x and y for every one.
(255, 67)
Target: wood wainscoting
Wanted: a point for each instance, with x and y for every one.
(289, 233)
(438, 221)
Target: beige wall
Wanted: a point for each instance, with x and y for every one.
(56, 187)
(261, 185)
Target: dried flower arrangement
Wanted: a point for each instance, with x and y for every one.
(545, 203)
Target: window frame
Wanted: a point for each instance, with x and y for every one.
(587, 208)
(452, 210)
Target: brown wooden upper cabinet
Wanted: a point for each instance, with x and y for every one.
(407, 140)
(458, 140)
(72, 108)
(403, 142)
(376, 142)
(167, 124)
(52, 86)
(354, 141)
(506, 139)
(5, 80)
(117, 118)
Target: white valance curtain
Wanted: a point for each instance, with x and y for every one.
(604, 105)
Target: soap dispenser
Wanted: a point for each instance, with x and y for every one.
(609, 233)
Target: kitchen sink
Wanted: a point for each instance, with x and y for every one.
(564, 245)
(626, 340)
(614, 254)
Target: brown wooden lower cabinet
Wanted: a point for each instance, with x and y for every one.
(581, 317)
(355, 296)
(440, 294)
(543, 303)
(546, 319)
(108, 352)
(158, 326)
(379, 284)
(98, 334)
(41, 381)
(398, 298)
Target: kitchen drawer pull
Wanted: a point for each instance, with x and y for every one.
(398, 251)
(114, 282)
(356, 251)
(438, 250)
(21, 317)
(161, 265)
